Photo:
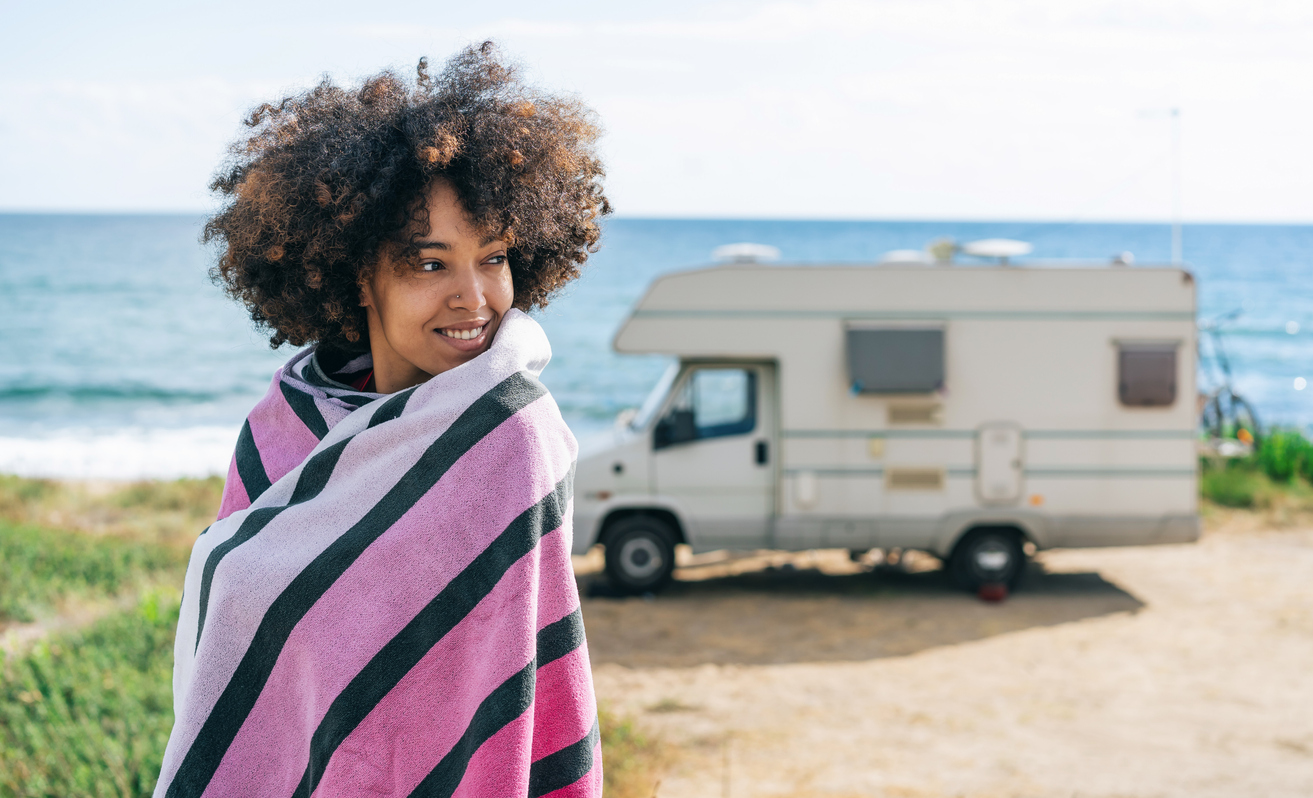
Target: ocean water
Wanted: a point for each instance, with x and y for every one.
(120, 359)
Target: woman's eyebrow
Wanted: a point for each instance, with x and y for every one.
(445, 246)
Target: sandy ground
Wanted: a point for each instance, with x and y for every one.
(1158, 671)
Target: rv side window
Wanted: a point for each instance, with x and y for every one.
(1146, 374)
(895, 360)
(711, 403)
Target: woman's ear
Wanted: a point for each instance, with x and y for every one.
(366, 294)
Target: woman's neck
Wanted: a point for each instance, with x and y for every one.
(392, 372)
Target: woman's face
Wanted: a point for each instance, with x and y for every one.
(442, 309)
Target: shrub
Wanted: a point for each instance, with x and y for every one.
(1282, 454)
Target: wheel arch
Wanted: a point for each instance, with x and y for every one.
(1030, 530)
(665, 514)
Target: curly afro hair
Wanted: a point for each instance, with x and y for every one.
(332, 180)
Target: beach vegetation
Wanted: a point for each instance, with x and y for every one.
(88, 713)
(43, 566)
(1284, 453)
(632, 759)
(1277, 477)
(166, 512)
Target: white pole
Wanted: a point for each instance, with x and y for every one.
(1176, 186)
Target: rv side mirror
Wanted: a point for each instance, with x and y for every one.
(676, 427)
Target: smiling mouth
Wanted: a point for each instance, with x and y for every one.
(463, 335)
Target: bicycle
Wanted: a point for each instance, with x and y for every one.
(1226, 417)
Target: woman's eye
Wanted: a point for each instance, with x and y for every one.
(497, 260)
(431, 266)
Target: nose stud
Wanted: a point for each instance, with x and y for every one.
(458, 296)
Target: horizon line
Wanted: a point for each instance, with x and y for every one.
(708, 218)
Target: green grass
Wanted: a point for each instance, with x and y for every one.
(42, 566)
(88, 713)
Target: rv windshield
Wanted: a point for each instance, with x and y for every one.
(654, 399)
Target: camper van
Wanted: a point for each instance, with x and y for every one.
(979, 413)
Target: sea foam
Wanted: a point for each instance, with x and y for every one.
(129, 453)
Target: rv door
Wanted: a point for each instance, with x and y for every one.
(714, 453)
(999, 466)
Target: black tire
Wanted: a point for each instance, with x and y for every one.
(640, 553)
(989, 555)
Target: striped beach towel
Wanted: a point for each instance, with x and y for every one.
(386, 605)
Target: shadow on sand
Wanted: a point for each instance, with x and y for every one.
(782, 615)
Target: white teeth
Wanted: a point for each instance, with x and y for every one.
(463, 335)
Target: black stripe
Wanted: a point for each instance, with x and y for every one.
(392, 408)
(303, 404)
(315, 375)
(309, 483)
(249, 465)
(509, 701)
(438, 617)
(249, 678)
(317, 471)
(564, 767)
(555, 640)
(355, 399)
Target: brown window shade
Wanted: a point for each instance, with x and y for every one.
(914, 414)
(915, 479)
(1146, 374)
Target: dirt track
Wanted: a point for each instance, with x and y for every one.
(1168, 671)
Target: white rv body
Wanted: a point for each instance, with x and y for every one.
(1027, 428)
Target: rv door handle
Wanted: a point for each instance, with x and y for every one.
(763, 453)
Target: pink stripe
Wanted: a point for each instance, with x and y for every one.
(234, 493)
(564, 697)
(424, 716)
(282, 439)
(558, 594)
(386, 587)
(501, 765)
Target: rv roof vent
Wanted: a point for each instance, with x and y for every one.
(907, 257)
(1001, 248)
(745, 252)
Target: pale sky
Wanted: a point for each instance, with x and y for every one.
(888, 109)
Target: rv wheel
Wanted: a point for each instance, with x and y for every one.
(988, 556)
(640, 553)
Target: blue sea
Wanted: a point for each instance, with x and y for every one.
(122, 360)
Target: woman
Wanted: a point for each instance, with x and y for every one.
(385, 605)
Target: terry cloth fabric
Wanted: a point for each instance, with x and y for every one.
(386, 605)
